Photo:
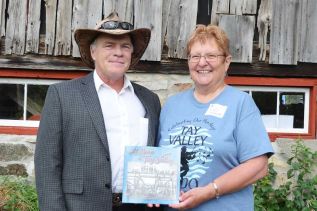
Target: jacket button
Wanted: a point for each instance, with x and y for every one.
(107, 185)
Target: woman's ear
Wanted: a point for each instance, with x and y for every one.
(228, 61)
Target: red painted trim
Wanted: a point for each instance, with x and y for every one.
(43, 74)
(18, 130)
(268, 81)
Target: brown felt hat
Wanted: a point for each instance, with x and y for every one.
(84, 37)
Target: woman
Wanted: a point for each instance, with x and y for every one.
(224, 145)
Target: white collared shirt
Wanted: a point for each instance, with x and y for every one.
(123, 115)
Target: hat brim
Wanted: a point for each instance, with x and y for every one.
(84, 37)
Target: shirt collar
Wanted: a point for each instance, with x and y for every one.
(126, 86)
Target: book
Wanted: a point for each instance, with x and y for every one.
(151, 175)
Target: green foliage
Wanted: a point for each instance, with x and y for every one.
(17, 194)
(299, 192)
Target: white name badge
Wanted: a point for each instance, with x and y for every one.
(216, 110)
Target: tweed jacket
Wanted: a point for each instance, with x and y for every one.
(72, 160)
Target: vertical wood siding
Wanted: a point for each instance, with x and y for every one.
(291, 24)
(249, 7)
(240, 30)
(86, 14)
(2, 18)
(50, 21)
(33, 26)
(16, 27)
(165, 12)
(181, 22)
(144, 18)
(219, 7)
(263, 24)
(108, 6)
(239, 7)
(63, 31)
(284, 32)
(308, 31)
(125, 9)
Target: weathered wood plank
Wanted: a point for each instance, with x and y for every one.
(240, 31)
(249, 7)
(33, 28)
(236, 7)
(284, 32)
(63, 29)
(308, 31)
(239, 7)
(263, 24)
(181, 23)
(108, 7)
(144, 18)
(2, 18)
(125, 9)
(86, 14)
(218, 7)
(16, 25)
(165, 13)
(50, 6)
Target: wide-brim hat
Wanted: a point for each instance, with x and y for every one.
(84, 37)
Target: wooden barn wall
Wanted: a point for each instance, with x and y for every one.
(308, 33)
(2, 18)
(33, 27)
(85, 14)
(284, 32)
(16, 27)
(286, 28)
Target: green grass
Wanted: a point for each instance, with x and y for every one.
(17, 194)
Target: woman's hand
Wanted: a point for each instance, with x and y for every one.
(194, 197)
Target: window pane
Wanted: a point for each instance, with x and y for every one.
(266, 102)
(35, 101)
(11, 101)
(292, 105)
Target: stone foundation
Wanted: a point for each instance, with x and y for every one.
(17, 155)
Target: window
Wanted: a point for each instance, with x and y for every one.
(22, 100)
(283, 109)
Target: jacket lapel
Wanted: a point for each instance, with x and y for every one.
(91, 100)
(142, 97)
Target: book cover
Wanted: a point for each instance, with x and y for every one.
(151, 175)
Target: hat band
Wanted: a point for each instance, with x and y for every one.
(111, 25)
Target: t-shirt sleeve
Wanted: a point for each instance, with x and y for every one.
(252, 138)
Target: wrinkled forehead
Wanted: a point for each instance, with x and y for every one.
(113, 38)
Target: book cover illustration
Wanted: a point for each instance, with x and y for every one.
(151, 175)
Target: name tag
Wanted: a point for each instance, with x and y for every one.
(216, 110)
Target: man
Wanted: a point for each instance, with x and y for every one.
(87, 122)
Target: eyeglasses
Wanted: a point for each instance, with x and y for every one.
(116, 25)
(208, 58)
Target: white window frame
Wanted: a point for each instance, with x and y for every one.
(304, 130)
(25, 82)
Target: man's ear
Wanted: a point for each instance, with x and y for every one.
(92, 52)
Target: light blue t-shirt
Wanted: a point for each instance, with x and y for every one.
(214, 138)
